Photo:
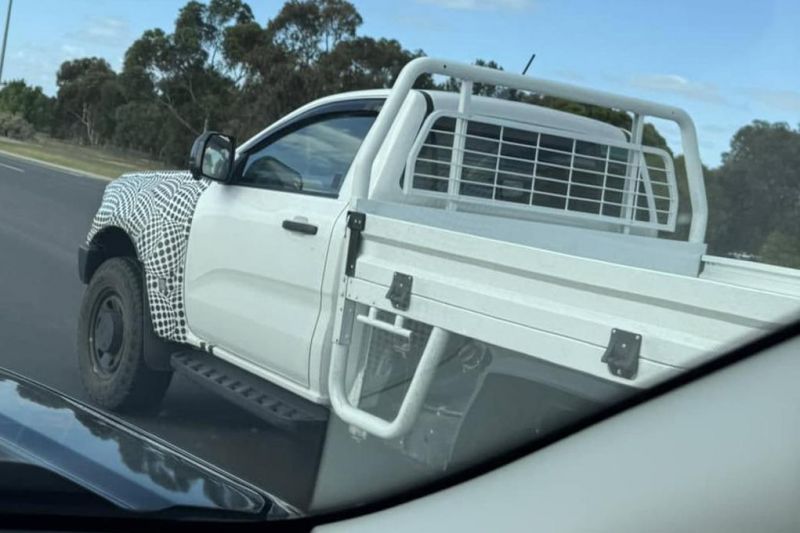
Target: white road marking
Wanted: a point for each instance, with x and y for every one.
(53, 166)
(12, 168)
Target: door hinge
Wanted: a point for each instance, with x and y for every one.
(355, 223)
(622, 353)
(399, 292)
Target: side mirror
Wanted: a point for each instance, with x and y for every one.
(212, 156)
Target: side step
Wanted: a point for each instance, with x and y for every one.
(262, 398)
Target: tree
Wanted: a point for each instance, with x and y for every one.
(307, 50)
(139, 127)
(28, 102)
(221, 16)
(755, 195)
(362, 63)
(186, 72)
(481, 89)
(309, 28)
(273, 84)
(15, 126)
(782, 248)
(87, 95)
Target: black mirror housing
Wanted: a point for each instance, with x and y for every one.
(212, 156)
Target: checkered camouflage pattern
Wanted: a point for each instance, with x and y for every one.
(155, 209)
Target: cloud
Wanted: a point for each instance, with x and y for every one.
(780, 99)
(425, 23)
(103, 31)
(482, 5)
(38, 61)
(675, 84)
(72, 51)
(31, 64)
(716, 128)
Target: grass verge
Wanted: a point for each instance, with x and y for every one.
(82, 158)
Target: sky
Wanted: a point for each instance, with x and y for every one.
(725, 62)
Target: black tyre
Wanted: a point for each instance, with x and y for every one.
(113, 329)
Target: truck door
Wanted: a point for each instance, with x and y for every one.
(258, 246)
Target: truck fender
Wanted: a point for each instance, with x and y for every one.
(154, 210)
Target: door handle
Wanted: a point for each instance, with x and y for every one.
(299, 227)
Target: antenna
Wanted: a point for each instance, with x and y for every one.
(533, 56)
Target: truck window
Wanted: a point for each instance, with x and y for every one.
(311, 159)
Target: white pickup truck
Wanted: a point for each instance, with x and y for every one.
(387, 255)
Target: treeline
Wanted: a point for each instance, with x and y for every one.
(220, 69)
(754, 196)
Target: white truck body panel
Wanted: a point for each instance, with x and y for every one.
(753, 275)
(257, 291)
(558, 307)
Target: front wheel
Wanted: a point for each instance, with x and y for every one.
(112, 333)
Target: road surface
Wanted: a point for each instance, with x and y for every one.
(44, 216)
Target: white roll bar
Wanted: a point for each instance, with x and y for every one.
(412, 403)
(362, 166)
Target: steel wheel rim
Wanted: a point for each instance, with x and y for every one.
(106, 333)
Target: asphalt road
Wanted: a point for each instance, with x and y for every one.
(44, 216)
